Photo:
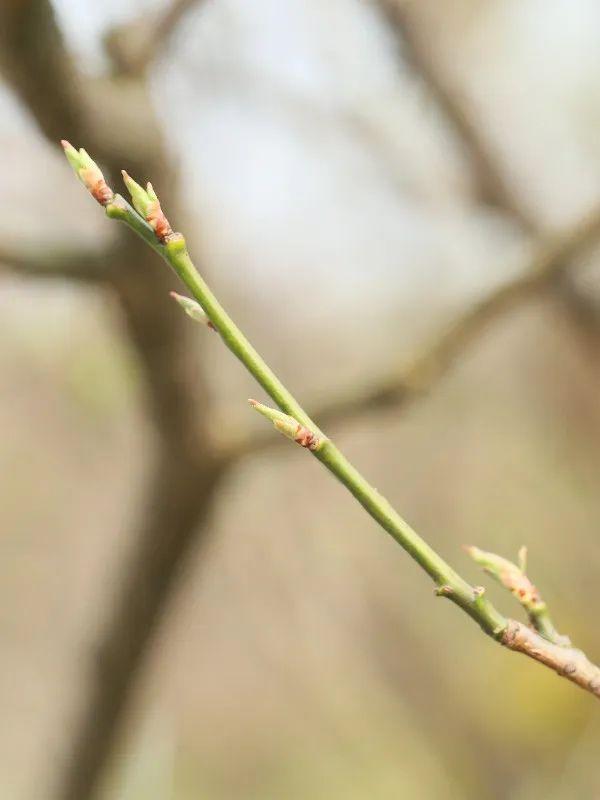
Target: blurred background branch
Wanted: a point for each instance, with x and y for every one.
(495, 182)
(79, 265)
(65, 103)
(492, 186)
(400, 386)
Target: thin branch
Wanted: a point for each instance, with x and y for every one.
(79, 265)
(38, 67)
(150, 224)
(493, 188)
(514, 578)
(541, 641)
(568, 662)
(397, 389)
(170, 528)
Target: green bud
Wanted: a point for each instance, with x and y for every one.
(288, 426)
(510, 575)
(142, 202)
(151, 193)
(146, 203)
(495, 565)
(73, 155)
(192, 309)
(275, 415)
(89, 173)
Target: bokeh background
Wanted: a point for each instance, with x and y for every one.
(330, 163)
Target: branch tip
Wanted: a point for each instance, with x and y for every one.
(88, 173)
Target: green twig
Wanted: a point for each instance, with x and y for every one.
(149, 222)
(174, 251)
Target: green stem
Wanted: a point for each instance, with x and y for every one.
(449, 583)
(541, 620)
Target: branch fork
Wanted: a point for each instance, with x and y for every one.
(514, 578)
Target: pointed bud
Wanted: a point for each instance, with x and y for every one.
(139, 196)
(151, 193)
(510, 575)
(147, 204)
(288, 426)
(192, 309)
(73, 156)
(88, 173)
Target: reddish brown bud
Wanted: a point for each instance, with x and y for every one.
(289, 426)
(88, 173)
(306, 438)
(155, 217)
(94, 182)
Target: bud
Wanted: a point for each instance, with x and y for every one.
(88, 173)
(139, 197)
(192, 309)
(288, 426)
(147, 204)
(510, 575)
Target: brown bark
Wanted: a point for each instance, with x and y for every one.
(568, 662)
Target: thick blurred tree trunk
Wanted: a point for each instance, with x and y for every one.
(104, 116)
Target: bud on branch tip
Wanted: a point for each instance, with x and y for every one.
(510, 575)
(288, 426)
(88, 173)
(192, 309)
(147, 204)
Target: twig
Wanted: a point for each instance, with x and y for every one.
(568, 662)
(149, 222)
(544, 643)
(79, 265)
(493, 188)
(514, 578)
(62, 100)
